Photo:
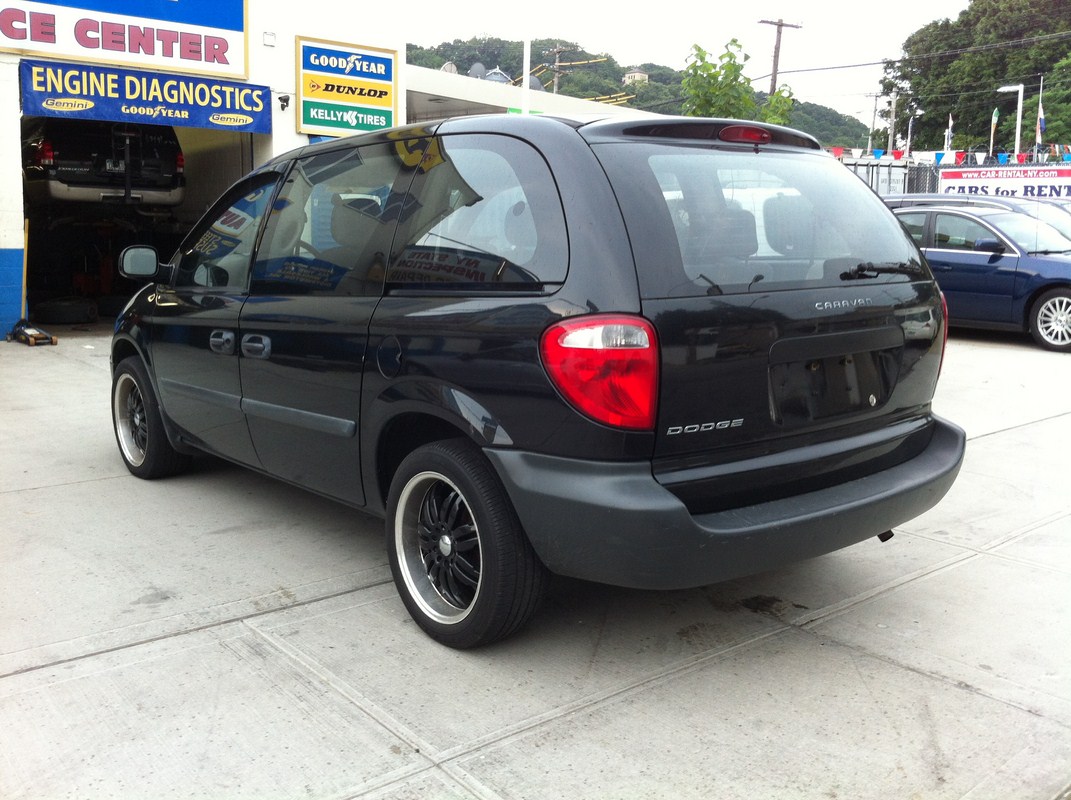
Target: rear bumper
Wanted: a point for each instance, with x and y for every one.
(614, 523)
(50, 191)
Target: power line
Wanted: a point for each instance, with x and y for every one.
(1049, 37)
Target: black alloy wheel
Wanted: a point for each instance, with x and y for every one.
(461, 562)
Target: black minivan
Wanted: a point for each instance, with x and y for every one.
(646, 351)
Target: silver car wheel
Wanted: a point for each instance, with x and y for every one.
(1053, 320)
(131, 423)
(438, 546)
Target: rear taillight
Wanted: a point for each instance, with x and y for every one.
(46, 156)
(747, 134)
(606, 366)
(180, 162)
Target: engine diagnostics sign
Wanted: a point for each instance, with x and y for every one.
(345, 89)
(123, 95)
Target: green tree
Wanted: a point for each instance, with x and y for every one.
(721, 90)
(718, 89)
(955, 67)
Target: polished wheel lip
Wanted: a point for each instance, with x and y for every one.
(131, 424)
(433, 525)
(1054, 321)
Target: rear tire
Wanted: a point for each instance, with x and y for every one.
(461, 562)
(1050, 320)
(139, 428)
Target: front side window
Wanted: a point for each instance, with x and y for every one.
(485, 215)
(952, 232)
(218, 252)
(331, 229)
(712, 221)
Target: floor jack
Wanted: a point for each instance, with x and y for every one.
(27, 334)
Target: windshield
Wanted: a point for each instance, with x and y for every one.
(1058, 217)
(704, 221)
(1030, 233)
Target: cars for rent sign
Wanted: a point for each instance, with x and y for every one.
(345, 88)
(205, 37)
(1037, 182)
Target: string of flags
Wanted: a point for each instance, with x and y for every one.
(1056, 152)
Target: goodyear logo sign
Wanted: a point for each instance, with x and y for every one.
(121, 95)
(344, 88)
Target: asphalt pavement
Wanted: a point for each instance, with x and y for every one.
(223, 635)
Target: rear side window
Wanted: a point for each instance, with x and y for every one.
(706, 221)
(484, 214)
(915, 224)
(331, 228)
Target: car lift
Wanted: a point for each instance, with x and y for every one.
(27, 334)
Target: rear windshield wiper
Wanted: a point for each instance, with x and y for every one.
(867, 269)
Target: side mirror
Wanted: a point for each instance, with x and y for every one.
(989, 246)
(139, 262)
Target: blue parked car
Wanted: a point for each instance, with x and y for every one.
(998, 269)
(1056, 212)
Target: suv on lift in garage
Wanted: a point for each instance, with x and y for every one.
(92, 187)
(92, 161)
(652, 352)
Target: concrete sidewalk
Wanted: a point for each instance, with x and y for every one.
(222, 635)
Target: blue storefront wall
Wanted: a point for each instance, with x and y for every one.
(11, 310)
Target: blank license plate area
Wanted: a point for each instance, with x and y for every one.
(808, 390)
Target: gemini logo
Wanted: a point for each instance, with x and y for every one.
(230, 119)
(68, 104)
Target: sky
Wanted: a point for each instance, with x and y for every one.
(831, 34)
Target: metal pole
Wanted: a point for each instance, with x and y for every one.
(873, 122)
(892, 123)
(777, 48)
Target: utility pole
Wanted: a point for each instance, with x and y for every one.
(777, 48)
(873, 122)
(892, 122)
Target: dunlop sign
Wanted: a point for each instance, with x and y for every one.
(122, 95)
(344, 88)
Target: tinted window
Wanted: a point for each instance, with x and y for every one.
(217, 253)
(915, 224)
(704, 221)
(331, 229)
(958, 233)
(484, 214)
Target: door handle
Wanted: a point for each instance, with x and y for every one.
(221, 342)
(255, 345)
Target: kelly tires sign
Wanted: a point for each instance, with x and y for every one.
(1035, 182)
(345, 89)
(122, 95)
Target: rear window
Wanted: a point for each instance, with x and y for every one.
(704, 221)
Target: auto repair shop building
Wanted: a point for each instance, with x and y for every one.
(238, 81)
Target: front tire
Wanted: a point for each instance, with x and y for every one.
(461, 562)
(139, 428)
(1050, 320)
